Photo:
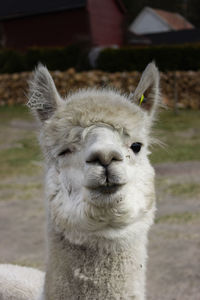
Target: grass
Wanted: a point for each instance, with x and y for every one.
(20, 160)
(7, 113)
(186, 189)
(18, 157)
(181, 135)
(23, 190)
(179, 218)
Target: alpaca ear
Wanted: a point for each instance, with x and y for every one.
(147, 93)
(43, 95)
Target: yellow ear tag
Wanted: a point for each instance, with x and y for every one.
(141, 99)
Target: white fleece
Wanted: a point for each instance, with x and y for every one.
(20, 283)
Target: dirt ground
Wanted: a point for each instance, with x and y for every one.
(174, 241)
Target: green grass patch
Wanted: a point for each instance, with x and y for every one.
(22, 191)
(19, 186)
(23, 150)
(184, 119)
(181, 218)
(181, 135)
(20, 160)
(7, 113)
(188, 189)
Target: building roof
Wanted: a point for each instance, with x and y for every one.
(10, 9)
(174, 20)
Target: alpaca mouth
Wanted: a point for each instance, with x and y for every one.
(105, 184)
(109, 189)
(105, 189)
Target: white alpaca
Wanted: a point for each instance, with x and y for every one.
(99, 188)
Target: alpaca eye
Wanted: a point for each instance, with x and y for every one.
(66, 151)
(136, 147)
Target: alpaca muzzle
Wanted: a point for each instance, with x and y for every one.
(106, 179)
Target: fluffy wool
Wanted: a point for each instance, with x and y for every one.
(100, 194)
(20, 283)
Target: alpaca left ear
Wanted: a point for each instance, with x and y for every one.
(43, 95)
(147, 93)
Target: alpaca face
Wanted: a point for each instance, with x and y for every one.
(99, 179)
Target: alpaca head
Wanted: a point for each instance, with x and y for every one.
(99, 180)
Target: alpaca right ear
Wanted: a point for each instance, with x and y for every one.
(43, 95)
(148, 87)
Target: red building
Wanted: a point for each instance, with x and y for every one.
(52, 23)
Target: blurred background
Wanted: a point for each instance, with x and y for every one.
(105, 43)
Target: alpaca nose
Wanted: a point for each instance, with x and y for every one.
(104, 156)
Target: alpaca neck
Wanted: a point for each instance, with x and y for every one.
(79, 272)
